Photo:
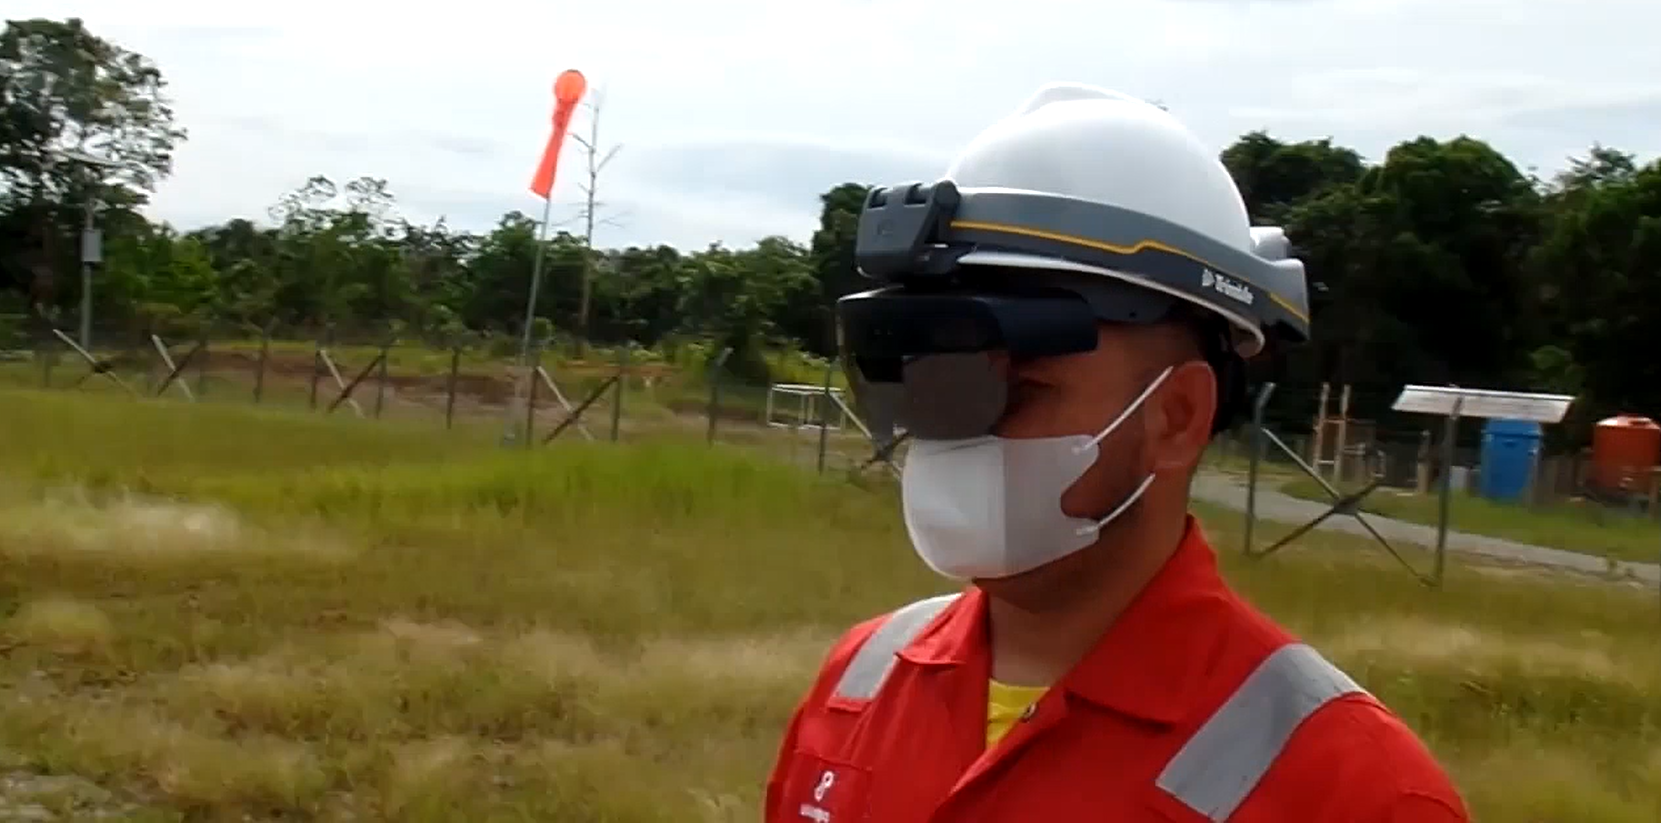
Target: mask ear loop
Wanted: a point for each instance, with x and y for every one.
(1134, 405)
(1083, 531)
(1134, 496)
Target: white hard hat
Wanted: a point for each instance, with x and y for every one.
(1085, 206)
(1082, 142)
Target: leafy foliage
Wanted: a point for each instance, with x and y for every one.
(1442, 262)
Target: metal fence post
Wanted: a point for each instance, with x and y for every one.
(1450, 430)
(380, 377)
(533, 361)
(824, 414)
(259, 369)
(450, 387)
(155, 363)
(716, 369)
(202, 368)
(48, 358)
(316, 371)
(617, 390)
(1257, 446)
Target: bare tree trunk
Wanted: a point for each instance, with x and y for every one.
(596, 163)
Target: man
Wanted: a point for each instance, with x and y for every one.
(1061, 331)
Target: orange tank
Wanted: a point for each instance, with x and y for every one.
(1625, 448)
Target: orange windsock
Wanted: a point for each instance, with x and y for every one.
(568, 89)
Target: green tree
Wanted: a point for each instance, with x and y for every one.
(1599, 266)
(641, 298)
(832, 251)
(1440, 263)
(64, 89)
(732, 297)
(1274, 176)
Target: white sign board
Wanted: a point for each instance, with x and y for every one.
(92, 246)
(1510, 405)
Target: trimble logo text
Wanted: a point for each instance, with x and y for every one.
(1225, 285)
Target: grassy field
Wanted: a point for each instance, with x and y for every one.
(216, 612)
(1581, 526)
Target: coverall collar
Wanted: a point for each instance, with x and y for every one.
(1149, 664)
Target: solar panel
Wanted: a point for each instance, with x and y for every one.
(1511, 405)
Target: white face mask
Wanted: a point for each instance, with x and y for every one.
(990, 506)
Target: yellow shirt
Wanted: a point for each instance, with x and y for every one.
(1005, 705)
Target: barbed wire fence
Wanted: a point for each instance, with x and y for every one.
(382, 372)
(465, 383)
(462, 381)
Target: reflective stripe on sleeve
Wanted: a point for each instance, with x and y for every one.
(1221, 764)
(875, 658)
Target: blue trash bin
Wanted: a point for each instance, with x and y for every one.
(1509, 451)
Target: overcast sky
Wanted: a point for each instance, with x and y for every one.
(733, 115)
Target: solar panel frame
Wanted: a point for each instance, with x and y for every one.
(1485, 403)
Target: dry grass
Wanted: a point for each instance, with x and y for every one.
(65, 626)
(142, 529)
(217, 624)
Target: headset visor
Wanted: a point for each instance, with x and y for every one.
(918, 359)
(937, 250)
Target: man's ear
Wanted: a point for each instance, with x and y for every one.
(1180, 417)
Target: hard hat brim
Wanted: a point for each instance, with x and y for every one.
(926, 234)
(1249, 334)
(1261, 296)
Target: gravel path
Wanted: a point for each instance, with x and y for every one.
(1229, 491)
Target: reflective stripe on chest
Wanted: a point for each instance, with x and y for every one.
(1224, 759)
(875, 659)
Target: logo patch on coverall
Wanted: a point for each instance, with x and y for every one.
(824, 791)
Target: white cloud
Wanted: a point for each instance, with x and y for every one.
(735, 114)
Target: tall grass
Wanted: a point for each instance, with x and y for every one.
(92, 439)
(301, 617)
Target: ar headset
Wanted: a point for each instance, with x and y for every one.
(1029, 273)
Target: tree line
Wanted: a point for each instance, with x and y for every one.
(1442, 262)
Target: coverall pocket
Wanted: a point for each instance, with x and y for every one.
(822, 790)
